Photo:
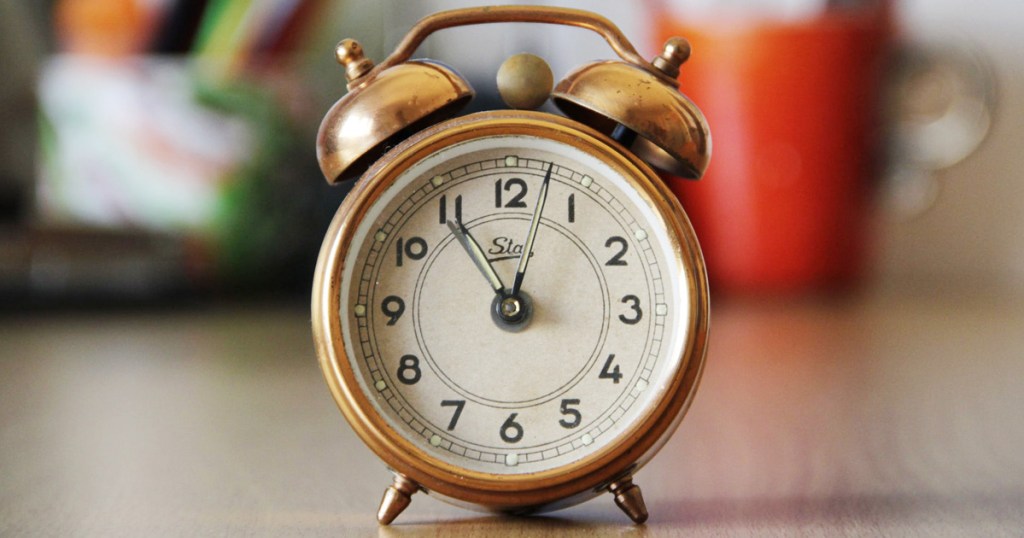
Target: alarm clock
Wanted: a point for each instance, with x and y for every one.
(510, 307)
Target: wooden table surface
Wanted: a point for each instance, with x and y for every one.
(877, 416)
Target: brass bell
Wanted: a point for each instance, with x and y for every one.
(671, 132)
(382, 107)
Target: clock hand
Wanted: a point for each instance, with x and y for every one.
(477, 255)
(524, 258)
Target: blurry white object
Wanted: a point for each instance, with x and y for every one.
(940, 106)
(127, 145)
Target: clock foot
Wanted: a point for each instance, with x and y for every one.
(629, 499)
(396, 499)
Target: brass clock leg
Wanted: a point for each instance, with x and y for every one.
(629, 499)
(396, 499)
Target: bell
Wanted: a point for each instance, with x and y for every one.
(383, 108)
(613, 97)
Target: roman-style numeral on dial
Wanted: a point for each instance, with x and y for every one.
(442, 209)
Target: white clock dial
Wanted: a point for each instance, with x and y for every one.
(605, 299)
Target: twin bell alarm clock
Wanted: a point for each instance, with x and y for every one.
(510, 307)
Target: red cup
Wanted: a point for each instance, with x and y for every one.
(795, 114)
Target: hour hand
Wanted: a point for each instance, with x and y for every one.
(477, 255)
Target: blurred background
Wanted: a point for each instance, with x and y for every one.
(862, 220)
(155, 150)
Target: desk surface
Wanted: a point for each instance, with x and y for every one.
(877, 416)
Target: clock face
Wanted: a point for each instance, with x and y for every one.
(598, 331)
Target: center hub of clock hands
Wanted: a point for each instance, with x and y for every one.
(510, 309)
(512, 312)
(458, 320)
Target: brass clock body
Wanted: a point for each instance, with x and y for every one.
(510, 308)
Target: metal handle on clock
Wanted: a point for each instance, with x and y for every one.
(635, 101)
(660, 125)
(528, 14)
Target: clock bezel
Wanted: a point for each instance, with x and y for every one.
(578, 480)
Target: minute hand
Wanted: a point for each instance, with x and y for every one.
(524, 258)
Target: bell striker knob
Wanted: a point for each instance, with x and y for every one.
(349, 54)
(673, 55)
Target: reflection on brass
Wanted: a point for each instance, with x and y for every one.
(672, 133)
(673, 55)
(349, 54)
(629, 498)
(396, 499)
(378, 113)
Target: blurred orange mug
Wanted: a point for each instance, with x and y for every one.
(795, 112)
(800, 144)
